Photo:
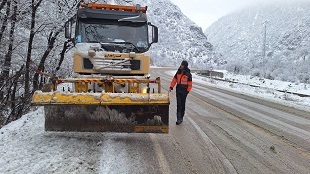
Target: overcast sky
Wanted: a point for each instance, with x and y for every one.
(205, 12)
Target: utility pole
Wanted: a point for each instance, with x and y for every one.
(264, 39)
(264, 47)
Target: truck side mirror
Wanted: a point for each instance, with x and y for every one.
(68, 30)
(154, 33)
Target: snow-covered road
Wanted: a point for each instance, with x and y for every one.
(223, 132)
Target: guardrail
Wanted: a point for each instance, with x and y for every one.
(209, 73)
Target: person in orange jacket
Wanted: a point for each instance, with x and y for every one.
(183, 80)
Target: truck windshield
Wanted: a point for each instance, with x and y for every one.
(108, 32)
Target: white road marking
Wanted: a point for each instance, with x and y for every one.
(163, 164)
(226, 163)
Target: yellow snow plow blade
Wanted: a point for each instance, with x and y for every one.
(51, 98)
(101, 112)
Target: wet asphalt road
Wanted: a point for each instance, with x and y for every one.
(222, 132)
(225, 132)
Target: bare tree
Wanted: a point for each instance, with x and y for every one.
(51, 42)
(2, 4)
(23, 53)
(65, 47)
(8, 56)
(34, 7)
(13, 101)
(6, 17)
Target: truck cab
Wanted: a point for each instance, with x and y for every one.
(112, 39)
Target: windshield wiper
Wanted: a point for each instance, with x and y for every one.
(128, 43)
(102, 46)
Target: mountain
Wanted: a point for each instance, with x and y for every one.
(179, 37)
(239, 39)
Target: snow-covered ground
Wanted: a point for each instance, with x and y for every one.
(26, 148)
(267, 89)
(300, 88)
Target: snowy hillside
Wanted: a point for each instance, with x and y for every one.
(179, 37)
(239, 38)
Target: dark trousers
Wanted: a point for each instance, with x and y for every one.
(181, 100)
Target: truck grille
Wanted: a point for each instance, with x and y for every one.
(115, 64)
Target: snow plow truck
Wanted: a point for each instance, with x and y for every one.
(112, 90)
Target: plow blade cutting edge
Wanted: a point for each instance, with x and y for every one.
(104, 112)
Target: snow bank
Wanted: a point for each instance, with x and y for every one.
(26, 148)
(267, 89)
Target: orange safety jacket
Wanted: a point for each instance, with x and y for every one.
(183, 80)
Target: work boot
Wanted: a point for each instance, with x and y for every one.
(178, 122)
(179, 116)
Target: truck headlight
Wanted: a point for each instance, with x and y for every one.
(91, 53)
(144, 90)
